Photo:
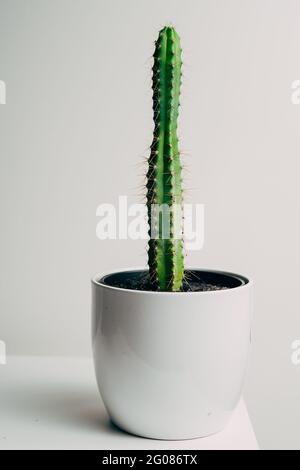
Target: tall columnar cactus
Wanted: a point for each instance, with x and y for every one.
(165, 254)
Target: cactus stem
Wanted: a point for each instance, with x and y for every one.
(165, 256)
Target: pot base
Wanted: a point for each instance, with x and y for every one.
(169, 437)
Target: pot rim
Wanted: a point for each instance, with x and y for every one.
(96, 281)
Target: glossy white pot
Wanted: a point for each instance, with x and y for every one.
(170, 365)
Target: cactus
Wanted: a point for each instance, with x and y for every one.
(165, 254)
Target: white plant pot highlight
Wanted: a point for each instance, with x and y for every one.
(171, 365)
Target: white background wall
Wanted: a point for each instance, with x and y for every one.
(74, 131)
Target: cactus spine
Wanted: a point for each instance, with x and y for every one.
(165, 255)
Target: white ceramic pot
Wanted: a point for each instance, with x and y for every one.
(171, 365)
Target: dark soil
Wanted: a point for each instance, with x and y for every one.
(194, 281)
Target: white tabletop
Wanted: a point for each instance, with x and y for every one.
(53, 403)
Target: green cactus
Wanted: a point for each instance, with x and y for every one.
(165, 253)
